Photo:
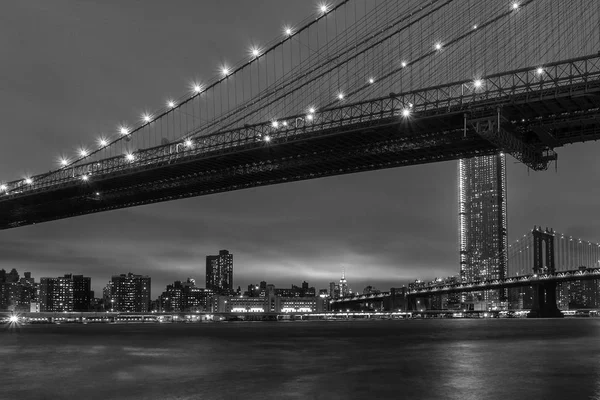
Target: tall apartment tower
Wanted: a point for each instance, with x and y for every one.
(219, 272)
(482, 221)
(130, 293)
(67, 293)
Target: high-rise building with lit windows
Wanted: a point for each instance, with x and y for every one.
(130, 293)
(219, 273)
(344, 288)
(482, 221)
(56, 294)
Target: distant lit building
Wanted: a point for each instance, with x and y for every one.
(276, 304)
(82, 292)
(16, 293)
(219, 272)
(483, 232)
(344, 288)
(297, 291)
(130, 293)
(300, 304)
(334, 290)
(107, 297)
(238, 304)
(56, 294)
(184, 297)
(584, 294)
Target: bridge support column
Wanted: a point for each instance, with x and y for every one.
(544, 302)
(544, 298)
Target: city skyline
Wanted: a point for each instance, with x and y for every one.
(394, 225)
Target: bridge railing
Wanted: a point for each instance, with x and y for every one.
(561, 78)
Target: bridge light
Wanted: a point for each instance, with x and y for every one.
(64, 162)
(146, 117)
(288, 30)
(3, 188)
(224, 70)
(323, 8)
(284, 123)
(371, 81)
(404, 64)
(129, 157)
(310, 117)
(171, 104)
(85, 177)
(438, 46)
(28, 181)
(311, 110)
(515, 6)
(255, 51)
(123, 130)
(196, 87)
(539, 71)
(406, 113)
(275, 124)
(188, 143)
(474, 26)
(478, 83)
(102, 142)
(83, 152)
(340, 96)
(267, 139)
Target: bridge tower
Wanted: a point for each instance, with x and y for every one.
(543, 251)
(544, 295)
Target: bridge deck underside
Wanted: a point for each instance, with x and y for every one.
(431, 136)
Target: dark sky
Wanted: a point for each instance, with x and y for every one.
(70, 70)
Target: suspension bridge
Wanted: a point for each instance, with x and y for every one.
(360, 85)
(541, 259)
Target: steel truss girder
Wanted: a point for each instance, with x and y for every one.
(566, 78)
(495, 129)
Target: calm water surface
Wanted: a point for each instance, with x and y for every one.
(432, 359)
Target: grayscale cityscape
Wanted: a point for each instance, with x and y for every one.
(296, 200)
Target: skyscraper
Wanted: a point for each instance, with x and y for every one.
(482, 217)
(219, 272)
(344, 289)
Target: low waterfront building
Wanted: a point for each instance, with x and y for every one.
(277, 304)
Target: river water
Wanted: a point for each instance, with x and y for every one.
(415, 359)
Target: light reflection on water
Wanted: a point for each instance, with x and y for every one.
(435, 359)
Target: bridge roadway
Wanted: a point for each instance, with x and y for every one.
(518, 281)
(535, 113)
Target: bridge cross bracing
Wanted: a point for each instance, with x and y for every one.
(358, 86)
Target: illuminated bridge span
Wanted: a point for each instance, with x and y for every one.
(360, 85)
(540, 259)
(580, 274)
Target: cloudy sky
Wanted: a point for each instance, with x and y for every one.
(70, 70)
